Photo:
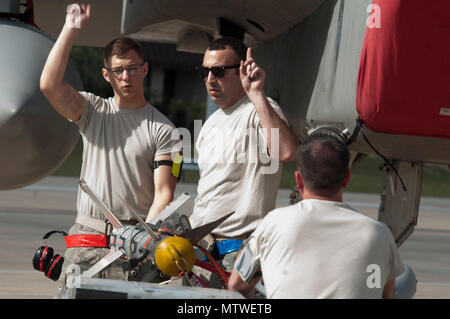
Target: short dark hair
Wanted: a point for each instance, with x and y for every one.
(323, 163)
(237, 45)
(120, 47)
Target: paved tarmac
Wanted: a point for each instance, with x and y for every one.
(27, 214)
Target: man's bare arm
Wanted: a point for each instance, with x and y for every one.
(252, 78)
(64, 98)
(165, 184)
(246, 289)
(389, 289)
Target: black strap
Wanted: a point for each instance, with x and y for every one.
(384, 158)
(54, 232)
(157, 164)
(351, 139)
(176, 166)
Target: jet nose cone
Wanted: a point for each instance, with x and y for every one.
(34, 139)
(12, 100)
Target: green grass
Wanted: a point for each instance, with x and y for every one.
(72, 165)
(366, 178)
(436, 181)
(366, 175)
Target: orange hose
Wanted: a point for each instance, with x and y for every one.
(219, 269)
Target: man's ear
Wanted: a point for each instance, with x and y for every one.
(299, 180)
(105, 75)
(347, 179)
(145, 69)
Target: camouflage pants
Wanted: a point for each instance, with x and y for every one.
(84, 258)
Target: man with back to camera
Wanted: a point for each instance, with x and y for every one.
(240, 147)
(122, 136)
(319, 247)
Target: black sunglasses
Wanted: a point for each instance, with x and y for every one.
(217, 71)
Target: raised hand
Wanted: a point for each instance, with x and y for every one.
(252, 76)
(77, 15)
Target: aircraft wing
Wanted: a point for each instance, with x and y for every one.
(103, 27)
(177, 21)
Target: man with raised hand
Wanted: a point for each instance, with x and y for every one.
(239, 149)
(320, 247)
(123, 136)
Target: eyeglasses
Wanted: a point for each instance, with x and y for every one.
(132, 70)
(217, 71)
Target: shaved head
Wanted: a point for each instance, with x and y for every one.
(323, 162)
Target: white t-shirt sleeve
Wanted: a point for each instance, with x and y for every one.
(167, 141)
(247, 264)
(262, 140)
(85, 118)
(396, 263)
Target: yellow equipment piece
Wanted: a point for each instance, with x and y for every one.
(176, 166)
(175, 255)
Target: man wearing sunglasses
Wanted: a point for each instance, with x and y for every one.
(235, 146)
(123, 137)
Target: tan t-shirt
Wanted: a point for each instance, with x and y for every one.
(236, 173)
(119, 149)
(321, 249)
